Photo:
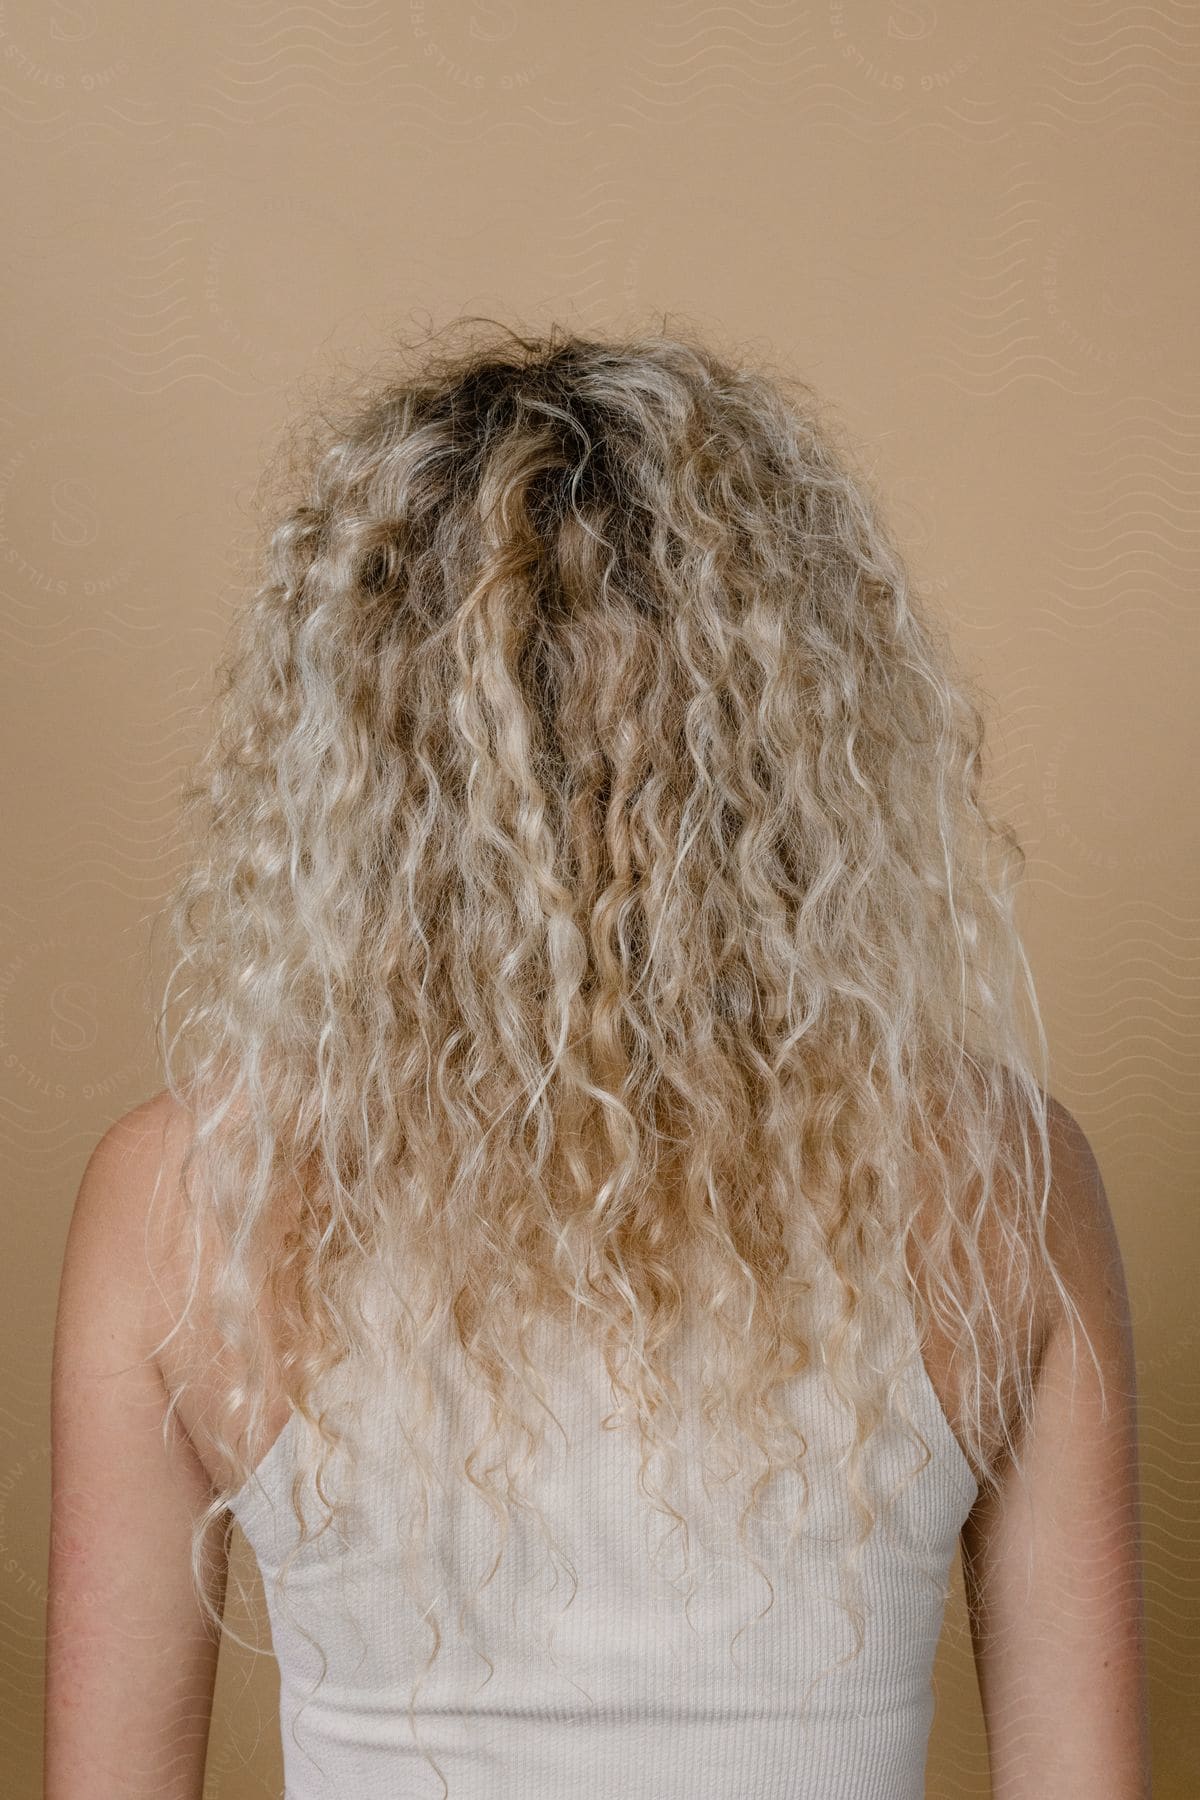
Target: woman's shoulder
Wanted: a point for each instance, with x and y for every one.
(130, 1201)
(137, 1137)
(124, 1234)
(1080, 1227)
(1051, 1553)
(133, 1183)
(132, 1233)
(1028, 1297)
(129, 1182)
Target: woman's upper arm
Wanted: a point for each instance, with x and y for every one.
(1052, 1565)
(130, 1660)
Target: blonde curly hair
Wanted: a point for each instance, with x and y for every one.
(595, 912)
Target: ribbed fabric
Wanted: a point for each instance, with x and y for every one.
(620, 1687)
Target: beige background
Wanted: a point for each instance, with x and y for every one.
(971, 226)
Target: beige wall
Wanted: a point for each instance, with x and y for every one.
(971, 226)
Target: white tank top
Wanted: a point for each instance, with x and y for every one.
(613, 1677)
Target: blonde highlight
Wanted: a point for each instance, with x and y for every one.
(596, 916)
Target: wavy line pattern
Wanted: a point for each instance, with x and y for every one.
(969, 226)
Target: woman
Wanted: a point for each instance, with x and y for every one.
(605, 1234)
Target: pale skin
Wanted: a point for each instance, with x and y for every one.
(1053, 1573)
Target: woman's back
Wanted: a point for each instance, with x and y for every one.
(611, 1668)
(595, 913)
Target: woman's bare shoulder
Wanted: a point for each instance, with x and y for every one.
(1051, 1555)
(134, 1185)
(1081, 1232)
(139, 1134)
(127, 1197)
(127, 1486)
(132, 1233)
(1025, 1297)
